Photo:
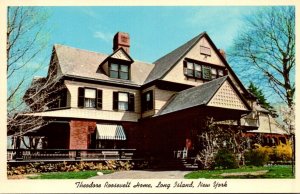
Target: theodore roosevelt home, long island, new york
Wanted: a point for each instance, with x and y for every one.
(116, 102)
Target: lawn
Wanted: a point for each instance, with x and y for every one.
(283, 171)
(69, 175)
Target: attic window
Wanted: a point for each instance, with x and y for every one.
(205, 50)
(119, 71)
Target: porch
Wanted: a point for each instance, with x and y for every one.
(38, 155)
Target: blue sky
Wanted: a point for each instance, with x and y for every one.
(154, 31)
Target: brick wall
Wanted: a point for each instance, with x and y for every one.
(79, 133)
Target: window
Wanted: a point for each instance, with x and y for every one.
(58, 100)
(220, 73)
(213, 73)
(119, 71)
(123, 101)
(89, 98)
(147, 101)
(201, 70)
(192, 69)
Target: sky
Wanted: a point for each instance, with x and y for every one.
(154, 31)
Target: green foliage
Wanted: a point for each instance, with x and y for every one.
(283, 152)
(69, 175)
(40, 167)
(284, 171)
(256, 157)
(260, 96)
(225, 159)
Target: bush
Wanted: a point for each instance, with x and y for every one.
(39, 167)
(258, 156)
(283, 152)
(225, 159)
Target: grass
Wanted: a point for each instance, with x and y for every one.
(69, 175)
(283, 171)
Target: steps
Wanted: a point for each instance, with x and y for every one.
(175, 164)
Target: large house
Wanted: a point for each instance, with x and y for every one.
(114, 101)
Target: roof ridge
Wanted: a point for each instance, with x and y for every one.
(180, 47)
(166, 62)
(72, 47)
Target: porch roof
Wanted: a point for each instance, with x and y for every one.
(208, 94)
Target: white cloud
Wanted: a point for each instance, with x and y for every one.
(104, 36)
(89, 12)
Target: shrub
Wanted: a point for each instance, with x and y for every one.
(39, 167)
(258, 156)
(225, 159)
(283, 152)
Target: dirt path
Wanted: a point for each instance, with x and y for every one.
(144, 174)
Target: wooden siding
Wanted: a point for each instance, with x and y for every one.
(105, 68)
(150, 112)
(176, 74)
(107, 103)
(161, 97)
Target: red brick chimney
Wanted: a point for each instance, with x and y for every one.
(121, 39)
(223, 53)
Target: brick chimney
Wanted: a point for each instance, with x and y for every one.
(223, 53)
(121, 39)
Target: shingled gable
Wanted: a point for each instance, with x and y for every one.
(198, 96)
(167, 62)
(84, 64)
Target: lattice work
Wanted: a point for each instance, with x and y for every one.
(120, 55)
(226, 97)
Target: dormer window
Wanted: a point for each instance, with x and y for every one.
(119, 71)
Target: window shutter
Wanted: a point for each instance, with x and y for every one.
(115, 100)
(63, 102)
(143, 102)
(206, 73)
(80, 97)
(131, 102)
(185, 68)
(151, 100)
(99, 99)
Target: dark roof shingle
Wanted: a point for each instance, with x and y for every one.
(165, 63)
(196, 96)
(82, 63)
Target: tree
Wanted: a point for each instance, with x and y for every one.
(260, 96)
(26, 42)
(214, 136)
(264, 51)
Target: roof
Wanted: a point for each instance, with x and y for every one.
(165, 63)
(82, 63)
(196, 96)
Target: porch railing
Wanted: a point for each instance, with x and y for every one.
(69, 154)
